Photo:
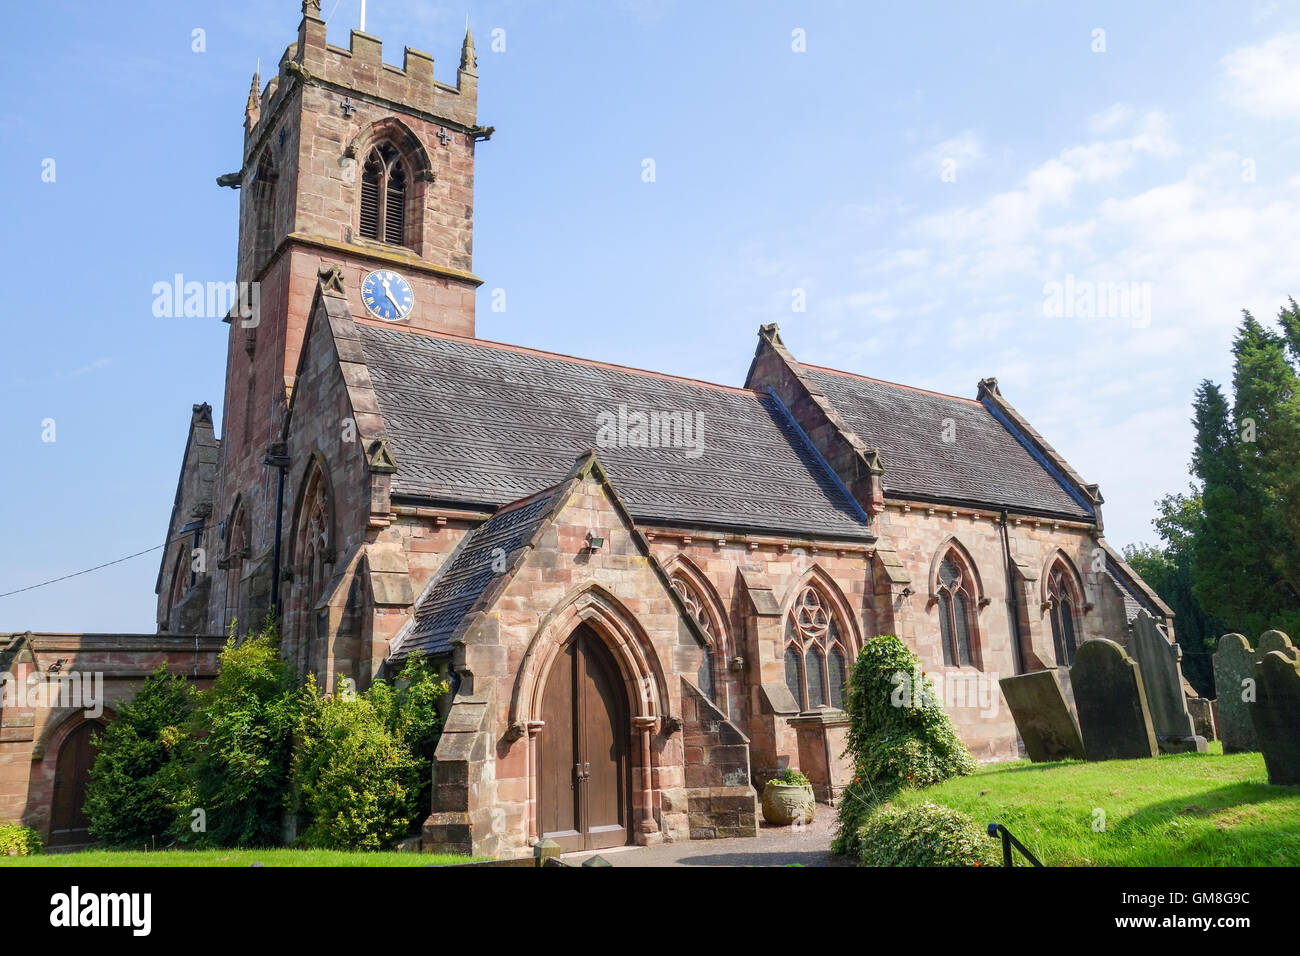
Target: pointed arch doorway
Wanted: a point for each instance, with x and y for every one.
(584, 772)
(69, 824)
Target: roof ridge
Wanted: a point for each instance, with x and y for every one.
(596, 363)
(518, 503)
(882, 381)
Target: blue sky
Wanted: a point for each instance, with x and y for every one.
(922, 172)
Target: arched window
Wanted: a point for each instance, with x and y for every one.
(814, 652)
(694, 602)
(314, 554)
(180, 584)
(263, 195)
(955, 592)
(383, 196)
(237, 550)
(1064, 605)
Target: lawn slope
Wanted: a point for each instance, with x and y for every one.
(1184, 810)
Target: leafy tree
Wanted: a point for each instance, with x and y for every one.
(1236, 534)
(410, 708)
(353, 777)
(138, 778)
(899, 736)
(246, 723)
(362, 764)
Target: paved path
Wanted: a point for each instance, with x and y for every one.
(775, 846)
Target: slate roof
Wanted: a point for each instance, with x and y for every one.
(471, 571)
(474, 422)
(985, 464)
(1133, 601)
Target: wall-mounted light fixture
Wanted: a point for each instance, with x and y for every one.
(595, 541)
(907, 592)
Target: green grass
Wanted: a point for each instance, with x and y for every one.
(1183, 810)
(231, 858)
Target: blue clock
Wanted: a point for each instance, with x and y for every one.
(387, 295)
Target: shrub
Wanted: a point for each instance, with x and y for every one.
(923, 835)
(246, 720)
(899, 736)
(362, 766)
(353, 777)
(792, 776)
(410, 708)
(18, 840)
(138, 778)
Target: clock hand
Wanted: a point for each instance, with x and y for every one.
(388, 294)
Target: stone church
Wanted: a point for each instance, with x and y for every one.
(647, 590)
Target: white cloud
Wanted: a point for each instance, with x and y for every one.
(1264, 79)
(1112, 394)
(1110, 118)
(1016, 215)
(961, 152)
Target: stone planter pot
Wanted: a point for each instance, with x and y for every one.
(786, 803)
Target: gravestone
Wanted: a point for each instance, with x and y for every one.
(1234, 681)
(1202, 713)
(1159, 660)
(1042, 716)
(1112, 705)
(1276, 714)
(1271, 641)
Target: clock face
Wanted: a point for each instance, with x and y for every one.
(387, 295)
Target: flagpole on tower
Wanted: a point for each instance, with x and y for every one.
(363, 16)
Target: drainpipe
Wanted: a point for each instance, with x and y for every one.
(277, 458)
(1013, 603)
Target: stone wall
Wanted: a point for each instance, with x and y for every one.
(720, 797)
(115, 665)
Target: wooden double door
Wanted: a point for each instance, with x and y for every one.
(584, 774)
(68, 821)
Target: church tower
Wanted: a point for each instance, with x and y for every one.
(349, 162)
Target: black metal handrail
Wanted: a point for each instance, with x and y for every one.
(1009, 841)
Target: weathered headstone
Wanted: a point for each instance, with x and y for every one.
(1042, 716)
(1112, 705)
(1159, 660)
(1202, 717)
(1276, 714)
(1234, 682)
(1271, 641)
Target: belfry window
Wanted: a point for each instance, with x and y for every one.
(383, 196)
(955, 594)
(1064, 605)
(814, 652)
(263, 193)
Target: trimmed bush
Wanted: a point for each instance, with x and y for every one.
(899, 736)
(923, 835)
(352, 776)
(362, 764)
(138, 779)
(409, 705)
(245, 724)
(18, 840)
